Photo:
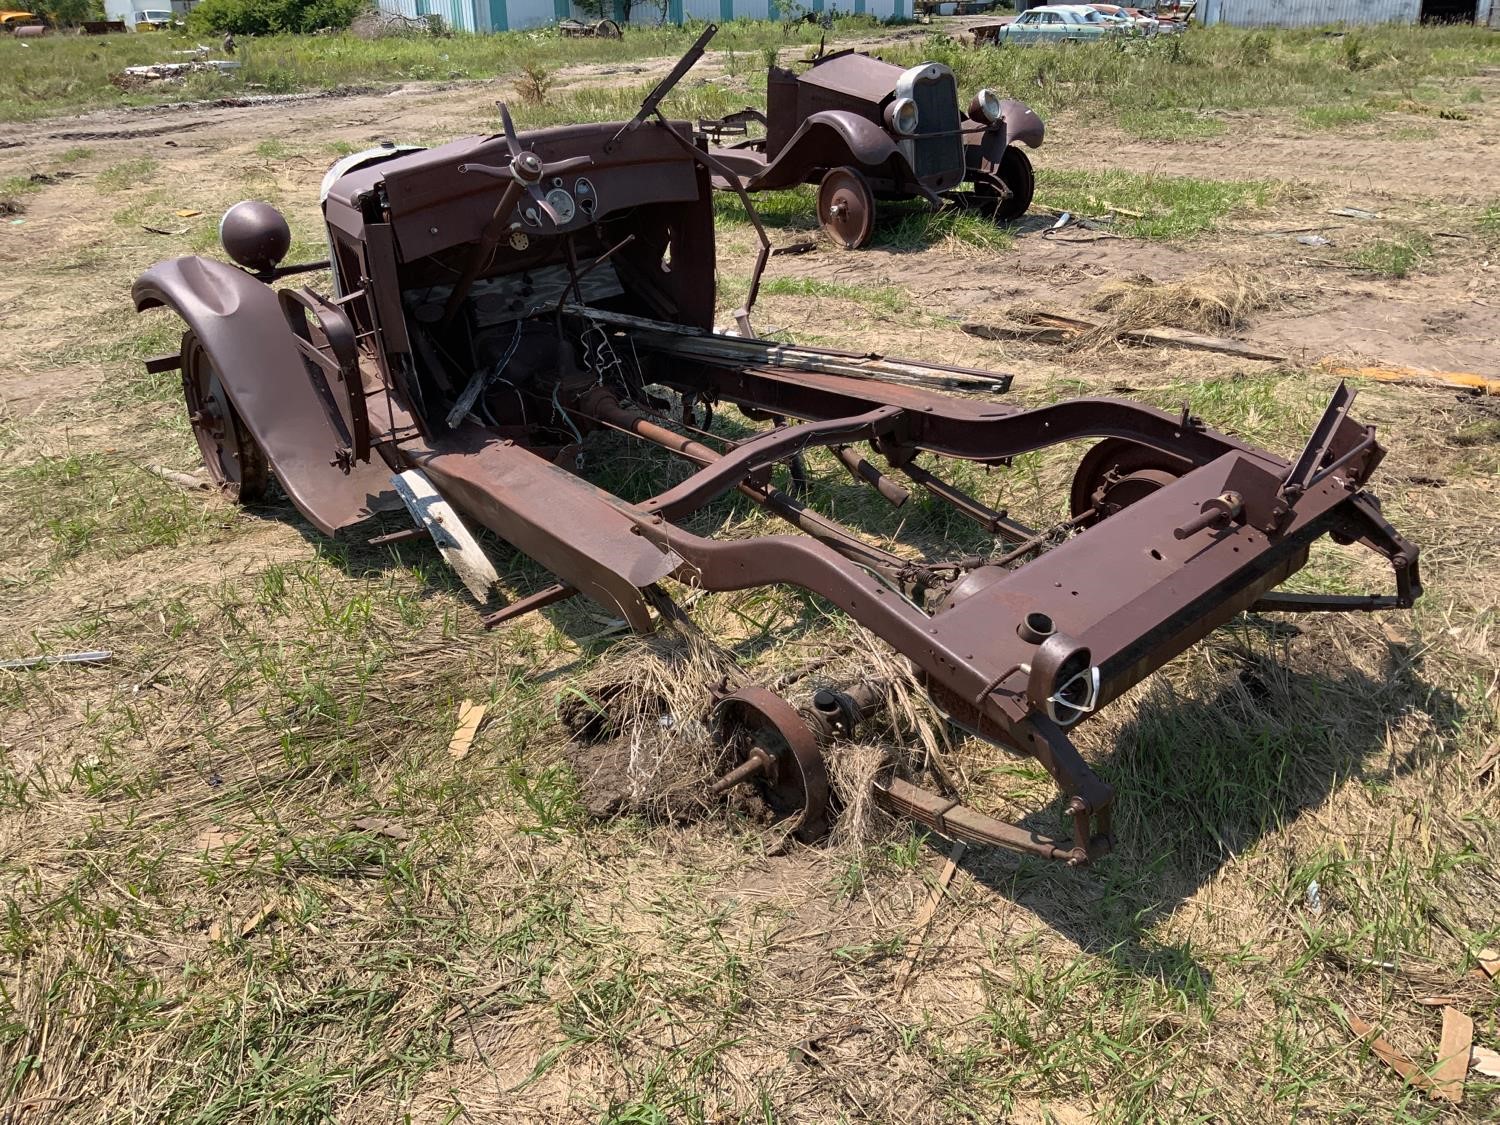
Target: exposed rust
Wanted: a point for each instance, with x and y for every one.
(482, 327)
(864, 129)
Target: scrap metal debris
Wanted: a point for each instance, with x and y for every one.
(594, 29)
(102, 656)
(501, 302)
(136, 77)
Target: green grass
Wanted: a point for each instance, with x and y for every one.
(127, 174)
(951, 229)
(1156, 89)
(511, 942)
(1334, 116)
(62, 74)
(1393, 257)
(876, 298)
(274, 148)
(1489, 221)
(1170, 207)
(1171, 124)
(13, 186)
(1219, 69)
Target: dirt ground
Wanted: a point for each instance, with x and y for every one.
(1433, 176)
(695, 956)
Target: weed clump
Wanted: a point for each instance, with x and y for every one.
(534, 83)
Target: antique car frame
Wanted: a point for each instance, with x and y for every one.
(497, 300)
(863, 129)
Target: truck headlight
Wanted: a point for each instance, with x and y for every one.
(985, 108)
(901, 116)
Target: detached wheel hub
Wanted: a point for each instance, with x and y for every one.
(771, 745)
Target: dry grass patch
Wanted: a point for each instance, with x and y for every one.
(1214, 301)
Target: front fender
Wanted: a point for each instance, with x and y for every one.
(240, 322)
(829, 139)
(1022, 125)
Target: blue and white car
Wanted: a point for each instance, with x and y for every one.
(1057, 23)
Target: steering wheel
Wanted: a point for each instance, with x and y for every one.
(523, 174)
(525, 170)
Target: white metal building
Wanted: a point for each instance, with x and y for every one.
(510, 15)
(1328, 13)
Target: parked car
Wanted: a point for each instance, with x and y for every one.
(155, 19)
(9, 21)
(1146, 25)
(1053, 24)
(863, 129)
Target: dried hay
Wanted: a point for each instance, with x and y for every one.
(1217, 300)
(641, 724)
(640, 721)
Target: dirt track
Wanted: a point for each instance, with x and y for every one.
(1431, 179)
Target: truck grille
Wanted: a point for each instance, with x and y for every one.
(937, 112)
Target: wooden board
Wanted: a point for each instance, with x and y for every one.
(1453, 1056)
(455, 542)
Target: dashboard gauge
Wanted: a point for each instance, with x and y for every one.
(562, 203)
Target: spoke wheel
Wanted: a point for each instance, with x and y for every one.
(1116, 473)
(846, 207)
(234, 461)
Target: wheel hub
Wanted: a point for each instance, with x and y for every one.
(772, 746)
(846, 207)
(1116, 473)
(231, 456)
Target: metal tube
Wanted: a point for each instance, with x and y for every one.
(605, 408)
(863, 470)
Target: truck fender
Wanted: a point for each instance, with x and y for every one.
(1022, 125)
(246, 335)
(829, 139)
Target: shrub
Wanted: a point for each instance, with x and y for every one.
(533, 83)
(266, 17)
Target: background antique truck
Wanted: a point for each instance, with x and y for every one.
(863, 129)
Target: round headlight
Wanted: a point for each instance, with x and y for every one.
(985, 108)
(255, 235)
(901, 115)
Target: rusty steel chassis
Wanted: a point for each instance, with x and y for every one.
(1173, 528)
(1145, 577)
